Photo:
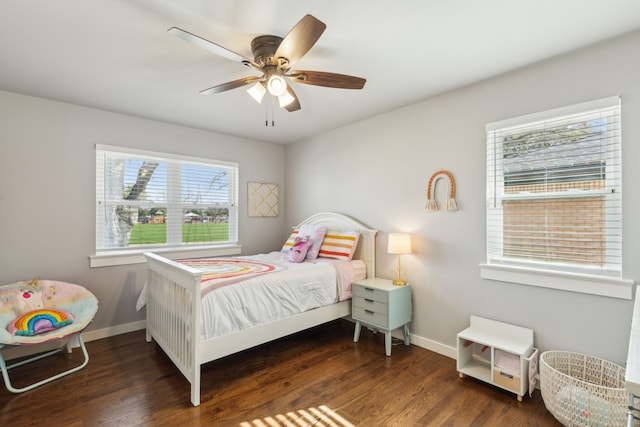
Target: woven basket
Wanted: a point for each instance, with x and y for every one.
(582, 390)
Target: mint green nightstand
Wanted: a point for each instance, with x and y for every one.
(383, 306)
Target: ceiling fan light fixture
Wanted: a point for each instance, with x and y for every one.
(274, 57)
(257, 92)
(276, 85)
(285, 99)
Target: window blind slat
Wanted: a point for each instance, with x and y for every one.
(554, 189)
(150, 199)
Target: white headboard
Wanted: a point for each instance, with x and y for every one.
(366, 250)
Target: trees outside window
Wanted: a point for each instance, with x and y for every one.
(146, 199)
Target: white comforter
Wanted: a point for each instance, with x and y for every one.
(265, 298)
(262, 299)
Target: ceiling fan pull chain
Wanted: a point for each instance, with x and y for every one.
(273, 111)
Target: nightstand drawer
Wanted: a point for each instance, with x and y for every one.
(369, 304)
(371, 293)
(369, 317)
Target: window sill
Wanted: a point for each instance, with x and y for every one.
(107, 259)
(572, 282)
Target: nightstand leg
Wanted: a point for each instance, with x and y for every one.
(405, 332)
(356, 334)
(387, 343)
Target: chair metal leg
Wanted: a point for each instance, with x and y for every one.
(5, 368)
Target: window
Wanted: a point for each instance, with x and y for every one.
(147, 201)
(554, 190)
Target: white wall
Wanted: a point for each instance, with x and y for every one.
(47, 193)
(377, 172)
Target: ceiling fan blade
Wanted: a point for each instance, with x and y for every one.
(320, 78)
(231, 85)
(210, 46)
(295, 104)
(299, 40)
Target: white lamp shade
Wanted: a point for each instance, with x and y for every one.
(285, 99)
(399, 243)
(257, 92)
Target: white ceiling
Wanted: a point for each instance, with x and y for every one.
(116, 55)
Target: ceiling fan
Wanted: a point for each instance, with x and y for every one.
(274, 57)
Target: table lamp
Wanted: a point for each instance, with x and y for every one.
(399, 244)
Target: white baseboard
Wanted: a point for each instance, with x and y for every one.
(434, 346)
(428, 344)
(114, 330)
(423, 342)
(92, 335)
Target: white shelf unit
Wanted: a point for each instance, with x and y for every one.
(496, 353)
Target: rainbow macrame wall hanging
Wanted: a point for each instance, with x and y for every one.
(450, 203)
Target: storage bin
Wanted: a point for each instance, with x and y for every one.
(508, 380)
(583, 390)
(507, 361)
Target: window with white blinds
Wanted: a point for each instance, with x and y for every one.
(554, 190)
(150, 200)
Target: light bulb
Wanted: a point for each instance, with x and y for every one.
(276, 85)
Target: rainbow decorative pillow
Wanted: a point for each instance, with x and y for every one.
(39, 321)
(339, 245)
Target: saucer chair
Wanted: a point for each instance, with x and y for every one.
(43, 311)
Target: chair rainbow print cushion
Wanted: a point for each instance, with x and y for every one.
(42, 311)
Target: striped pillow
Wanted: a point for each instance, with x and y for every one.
(290, 241)
(339, 245)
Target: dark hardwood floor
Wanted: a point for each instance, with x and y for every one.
(316, 378)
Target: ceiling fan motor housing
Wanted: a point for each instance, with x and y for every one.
(264, 48)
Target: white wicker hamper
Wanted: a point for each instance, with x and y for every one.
(583, 390)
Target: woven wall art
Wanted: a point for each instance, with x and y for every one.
(449, 204)
(263, 199)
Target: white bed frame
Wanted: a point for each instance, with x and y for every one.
(173, 308)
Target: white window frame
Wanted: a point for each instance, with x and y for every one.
(174, 248)
(539, 273)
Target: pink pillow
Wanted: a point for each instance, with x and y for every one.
(315, 233)
(298, 251)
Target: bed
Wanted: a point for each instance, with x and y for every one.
(174, 318)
